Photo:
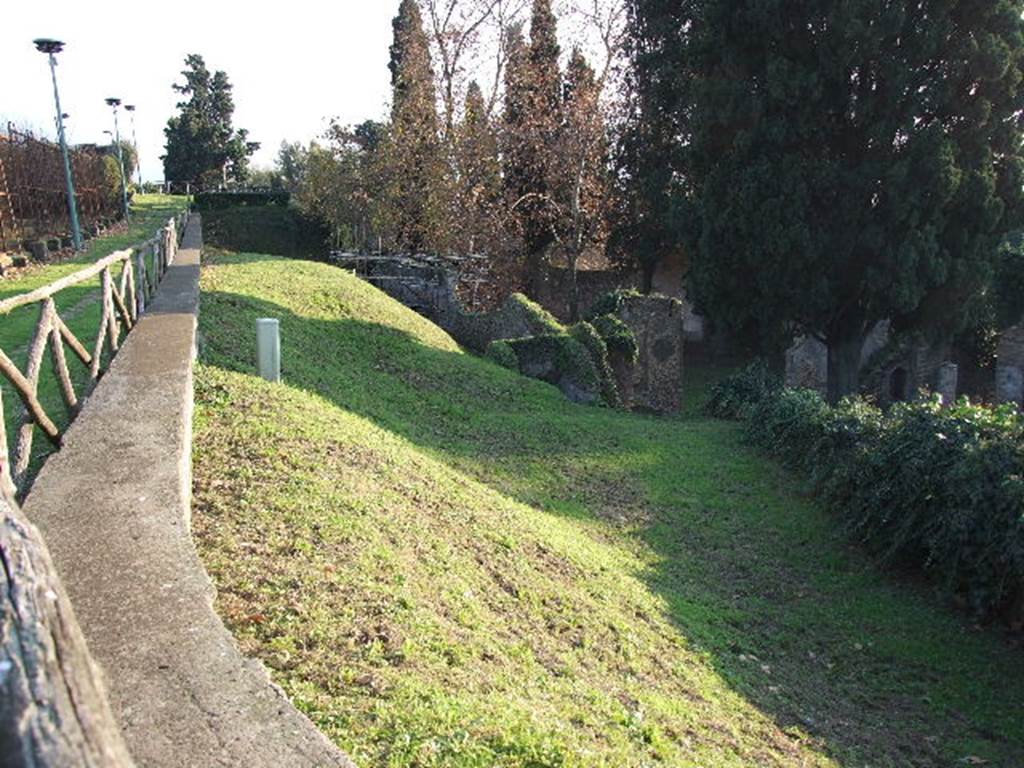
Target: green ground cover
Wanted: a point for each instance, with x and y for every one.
(447, 564)
(79, 306)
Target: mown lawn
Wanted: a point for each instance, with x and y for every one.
(79, 306)
(446, 564)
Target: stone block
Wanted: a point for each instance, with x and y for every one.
(38, 250)
(657, 377)
(20, 259)
(946, 382)
(1009, 384)
(53, 244)
(807, 365)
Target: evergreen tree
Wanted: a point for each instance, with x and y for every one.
(849, 162)
(533, 118)
(202, 146)
(415, 170)
(478, 142)
(650, 214)
(580, 183)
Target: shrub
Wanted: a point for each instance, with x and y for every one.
(214, 201)
(588, 336)
(618, 337)
(610, 303)
(501, 352)
(926, 487)
(736, 395)
(561, 360)
(517, 318)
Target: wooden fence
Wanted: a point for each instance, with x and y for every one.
(124, 299)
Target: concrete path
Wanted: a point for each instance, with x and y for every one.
(113, 505)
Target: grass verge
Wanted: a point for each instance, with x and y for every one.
(79, 306)
(446, 564)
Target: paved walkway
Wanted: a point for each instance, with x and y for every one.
(113, 505)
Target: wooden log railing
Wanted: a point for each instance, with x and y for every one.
(123, 299)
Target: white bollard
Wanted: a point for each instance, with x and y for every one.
(268, 348)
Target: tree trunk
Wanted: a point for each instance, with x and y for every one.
(574, 288)
(53, 705)
(647, 274)
(844, 365)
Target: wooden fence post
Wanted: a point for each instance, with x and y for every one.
(53, 704)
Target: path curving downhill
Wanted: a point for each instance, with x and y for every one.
(114, 508)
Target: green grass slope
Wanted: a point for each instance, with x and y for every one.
(446, 564)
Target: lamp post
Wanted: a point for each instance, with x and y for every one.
(51, 47)
(130, 109)
(114, 104)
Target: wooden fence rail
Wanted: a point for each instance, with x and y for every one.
(123, 299)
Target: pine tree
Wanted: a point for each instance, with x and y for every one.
(413, 158)
(533, 118)
(849, 162)
(580, 186)
(477, 157)
(202, 146)
(649, 218)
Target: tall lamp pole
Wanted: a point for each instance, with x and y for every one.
(114, 104)
(130, 109)
(51, 47)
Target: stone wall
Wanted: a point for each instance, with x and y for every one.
(655, 383)
(890, 372)
(1010, 366)
(552, 289)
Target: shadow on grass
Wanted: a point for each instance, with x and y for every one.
(751, 572)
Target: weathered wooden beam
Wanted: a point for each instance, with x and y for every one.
(60, 363)
(26, 392)
(73, 342)
(54, 710)
(6, 479)
(7, 305)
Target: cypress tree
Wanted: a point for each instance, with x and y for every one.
(202, 146)
(413, 157)
(533, 117)
(850, 162)
(581, 184)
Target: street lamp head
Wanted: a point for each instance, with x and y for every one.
(46, 45)
(65, 116)
(112, 101)
(129, 107)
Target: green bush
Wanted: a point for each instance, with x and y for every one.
(926, 487)
(588, 336)
(281, 230)
(737, 395)
(502, 353)
(618, 337)
(610, 303)
(561, 360)
(517, 318)
(215, 201)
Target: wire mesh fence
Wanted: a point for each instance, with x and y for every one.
(33, 196)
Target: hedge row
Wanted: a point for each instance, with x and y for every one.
(932, 488)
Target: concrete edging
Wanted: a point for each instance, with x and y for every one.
(114, 508)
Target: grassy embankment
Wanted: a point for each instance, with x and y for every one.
(78, 306)
(444, 563)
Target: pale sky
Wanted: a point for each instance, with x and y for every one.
(293, 66)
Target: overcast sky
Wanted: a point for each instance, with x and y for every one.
(292, 67)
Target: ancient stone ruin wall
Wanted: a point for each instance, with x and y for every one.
(1010, 367)
(552, 288)
(889, 373)
(657, 323)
